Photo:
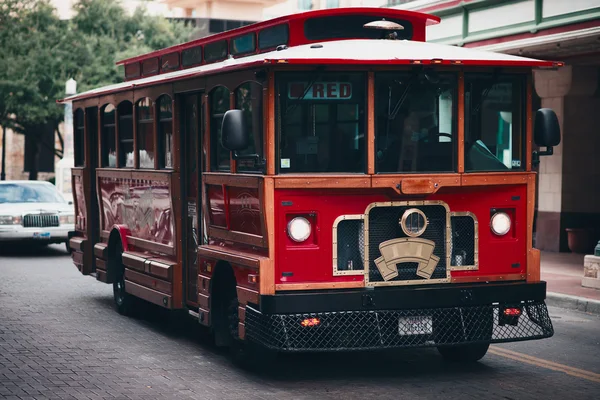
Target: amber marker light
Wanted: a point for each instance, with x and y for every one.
(415, 62)
(436, 61)
(252, 279)
(310, 322)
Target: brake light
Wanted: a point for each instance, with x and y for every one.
(310, 322)
(512, 312)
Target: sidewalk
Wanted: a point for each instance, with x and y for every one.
(563, 273)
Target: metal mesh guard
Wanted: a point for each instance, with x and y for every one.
(463, 241)
(362, 330)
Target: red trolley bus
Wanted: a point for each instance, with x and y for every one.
(318, 182)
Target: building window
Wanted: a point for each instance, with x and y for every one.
(125, 114)
(219, 104)
(79, 138)
(165, 132)
(305, 5)
(145, 132)
(248, 98)
(109, 144)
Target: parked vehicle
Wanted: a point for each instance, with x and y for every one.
(34, 211)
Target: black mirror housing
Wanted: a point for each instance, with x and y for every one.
(546, 131)
(234, 132)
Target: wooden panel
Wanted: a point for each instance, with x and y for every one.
(417, 186)
(270, 139)
(371, 124)
(319, 285)
(241, 237)
(162, 270)
(204, 316)
(176, 272)
(461, 122)
(246, 296)
(232, 162)
(100, 250)
(267, 266)
(77, 257)
(204, 285)
(529, 123)
(151, 246)
(101, 275)
(113, 173)
(242, 314)
(488, 278)
(148, 281)
(241, 330)
(322, 181)
(100, 263)
(203, 301)
(133, 261)
(161, 299)
(512, 178)
(77, 243)
(238, 180)
(229, 255)
(533, 266)
(438, 181)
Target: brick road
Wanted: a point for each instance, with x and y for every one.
(60, 338)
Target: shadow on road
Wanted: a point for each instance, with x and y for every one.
(377, 366)
(32, 249)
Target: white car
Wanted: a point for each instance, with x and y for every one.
(34, 211)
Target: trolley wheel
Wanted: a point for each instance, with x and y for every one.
(124, 302)
(467, 353)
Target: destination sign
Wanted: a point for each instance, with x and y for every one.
(320, 91)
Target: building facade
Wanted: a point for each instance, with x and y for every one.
(560, 30)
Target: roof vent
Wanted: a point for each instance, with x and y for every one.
(281, 47)
(384, 25)
(316, 46)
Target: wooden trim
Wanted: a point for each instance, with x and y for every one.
(267, 268)
(234, 236)
(161, 299)
(176, 189)
(148, 281)
(100, 250)
(461, 122)
(155, 112)
(204, 285)
(529, 123)
(77, 243)
(136, 161)
(533, 265)
(77, 257)
(150, 246)
(321, 181)
(414, 181)
(241, 330)
(153, 92)
(99, 139)
(207, 132)
(204, 301)
(246, 296)
(371, 123)
(134, 261)
(163, 270)
(319, 285)
(227, 179)
(101, 276)
(100, 264)
(271, 133)
(488, 278)
(117, 142)
(104, 234)
(77, 171)
(229, 255)
(242, 314)
(232, 162)
(499, 178)
(122, 173)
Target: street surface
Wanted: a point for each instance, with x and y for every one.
(61, 338)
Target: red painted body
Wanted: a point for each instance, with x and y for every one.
(311, 261)
(143, 206)
(235, 208)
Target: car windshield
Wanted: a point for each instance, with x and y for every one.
(29, 193)
(415, 124)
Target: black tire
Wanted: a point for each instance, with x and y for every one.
(467, 353)
(124, 302)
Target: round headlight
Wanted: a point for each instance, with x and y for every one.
(299, 229)
(500, 223)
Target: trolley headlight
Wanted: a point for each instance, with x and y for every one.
(500, 223)
(299, 229)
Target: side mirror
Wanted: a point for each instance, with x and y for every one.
(234, 133)
(235, 136)
(546, 133)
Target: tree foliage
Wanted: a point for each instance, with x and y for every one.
(40, 52)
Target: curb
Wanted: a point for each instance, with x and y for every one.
(573, 303)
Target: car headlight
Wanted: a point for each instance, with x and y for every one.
(67, 219)
(500, 223)
(299, 229)
(10, 220)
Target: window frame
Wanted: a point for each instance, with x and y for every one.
(103, 134)
(161, 151)
(520, 79)
(79, 138)
(122, 117)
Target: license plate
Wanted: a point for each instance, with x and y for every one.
(41, 235)
(415, 326)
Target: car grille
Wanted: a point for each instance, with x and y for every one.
(384, 225)
(40, 220)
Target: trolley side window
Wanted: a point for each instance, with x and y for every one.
(322, 122)
(165, 132)
(219, 104)
(79, 138)
(145, 132)
(125, 113)
(248, 98)
(109, 144)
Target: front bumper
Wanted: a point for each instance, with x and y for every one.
(399, 317)
(17, 233)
